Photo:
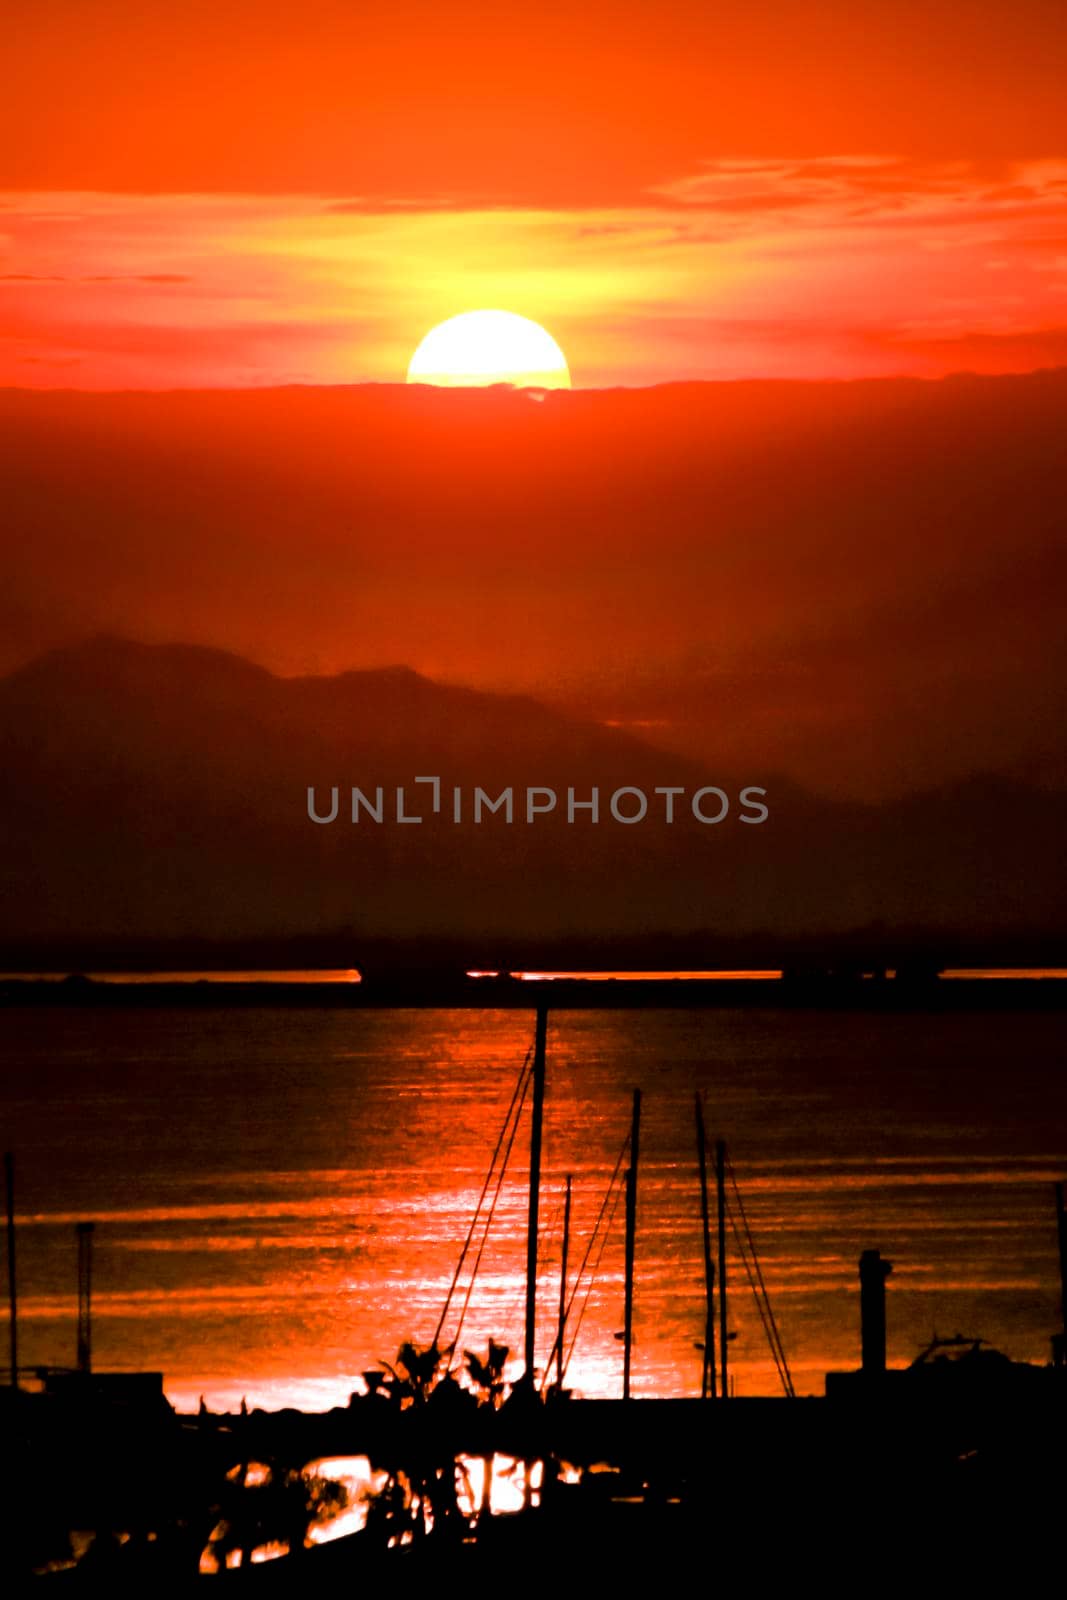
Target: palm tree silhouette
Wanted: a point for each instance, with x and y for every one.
(487, 1377)
(488, 1382)
(416, 1372)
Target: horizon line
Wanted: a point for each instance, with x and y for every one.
(542, 395)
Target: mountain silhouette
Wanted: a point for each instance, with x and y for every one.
(854, 584)
(159, 793)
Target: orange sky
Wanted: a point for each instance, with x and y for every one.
(247, 195)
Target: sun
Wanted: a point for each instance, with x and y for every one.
(483, 347)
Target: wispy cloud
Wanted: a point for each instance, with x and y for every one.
(844, 190)
(842, 265)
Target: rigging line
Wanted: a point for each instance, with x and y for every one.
(492, 1210)
(739, 1241)
(763, 1306)
(546, 1239)
(592, 1280)
(544, 1261)
(783, 1370)
(519, 1088)
(770, 1325)
(613, 1188)
(600, 1217)
(488, 1220)
(518, 1297)
(514, 1110)
(589, 1247)
(788, 1377)
(548, 1234)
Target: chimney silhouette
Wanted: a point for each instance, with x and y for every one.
(873, 1273)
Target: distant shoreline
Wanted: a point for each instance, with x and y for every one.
(1001, 992)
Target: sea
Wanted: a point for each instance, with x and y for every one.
(281, 1196)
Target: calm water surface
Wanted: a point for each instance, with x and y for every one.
(281, 1196)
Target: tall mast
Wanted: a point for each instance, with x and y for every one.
(1061, 1227)
(12, 1293)
(563, 1285)
(720, 1191)
(631, 1237)
(708, 1383)
(540, 1036)
(85, 1296)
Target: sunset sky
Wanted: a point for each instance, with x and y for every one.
(855, 584)
(626, 440)
(242, 194)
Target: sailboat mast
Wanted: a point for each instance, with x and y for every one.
(1061, 1226)
(563, 1285)
(708, 1383)
(631, 1239)
(84, 1231)
(540, 1036)
(720, 1191)
(12, 1292)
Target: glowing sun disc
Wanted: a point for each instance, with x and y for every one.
(482, 347)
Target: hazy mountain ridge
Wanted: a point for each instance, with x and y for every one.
(160, 792)
(855, 584)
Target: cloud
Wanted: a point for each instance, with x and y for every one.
(835, 266)
(866, 184)
(375, 205)
(140, 277)
(96, 277)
